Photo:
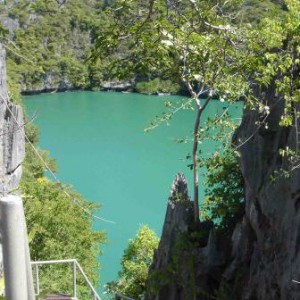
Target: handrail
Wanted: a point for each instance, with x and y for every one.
(87, 280)
(75, 264)
(122, 297)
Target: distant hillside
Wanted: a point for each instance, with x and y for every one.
(50, 41)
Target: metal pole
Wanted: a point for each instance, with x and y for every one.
(37, 280)
(122, 297)
(74, 279)
(87, 280)
(13, 240)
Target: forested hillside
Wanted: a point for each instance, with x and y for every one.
(49, 43)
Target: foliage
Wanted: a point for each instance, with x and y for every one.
(177, 42)
(49, 48)
(224, 192)
(52, 44)
(193, 42)
(157, 86)
(135, 263)
(224, 186)
(58, 226)
(59, 229)
(254, 11)
(214, 48)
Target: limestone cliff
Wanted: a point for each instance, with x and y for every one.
(12, 138)
(261, 258)
(268, 240)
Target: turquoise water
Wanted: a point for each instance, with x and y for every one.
(101, 148)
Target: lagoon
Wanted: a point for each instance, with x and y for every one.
(101, 149)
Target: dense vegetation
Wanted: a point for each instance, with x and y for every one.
(58, 226)
(135, 263)
(48, 43)
(49, 46)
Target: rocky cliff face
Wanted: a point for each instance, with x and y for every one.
(271, 225)
(261, 258)
(12, 138)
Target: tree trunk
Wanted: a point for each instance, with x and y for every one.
(195, 164)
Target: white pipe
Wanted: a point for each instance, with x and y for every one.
(37, 279)
(74, 280)
(13, 242)
(49, 262)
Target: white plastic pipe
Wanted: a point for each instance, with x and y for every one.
(14, 250)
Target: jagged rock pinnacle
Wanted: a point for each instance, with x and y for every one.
(179, 189)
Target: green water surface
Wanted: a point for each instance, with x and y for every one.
(101, 148)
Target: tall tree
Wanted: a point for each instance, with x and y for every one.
(191, 41)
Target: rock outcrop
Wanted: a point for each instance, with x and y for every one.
(261, 259)
(166, 260)
(268, 240)
(12, 140)
(186, 254)
(12, 137)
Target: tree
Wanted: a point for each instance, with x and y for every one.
(191, 41)
(58, 226)
(212, 50)
(135, 263)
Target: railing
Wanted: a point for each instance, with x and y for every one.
(122, 297)
(76, 267)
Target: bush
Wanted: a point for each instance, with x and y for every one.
(224, 200)
(156, 86)
(135, 263)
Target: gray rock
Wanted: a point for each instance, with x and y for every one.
(272, 213)
(117, 85)
(180, 265)
(262, 258)
(12, 137)
(10, 24)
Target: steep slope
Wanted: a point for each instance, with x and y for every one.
(272, 207)
(262, 258)
(12, 145)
